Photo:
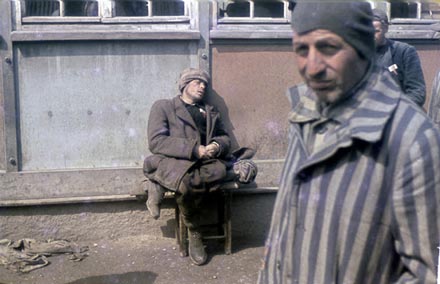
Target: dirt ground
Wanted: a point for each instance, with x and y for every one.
(144, 260)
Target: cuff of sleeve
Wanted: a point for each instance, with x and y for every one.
(219, 148)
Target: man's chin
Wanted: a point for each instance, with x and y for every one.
(328, 96)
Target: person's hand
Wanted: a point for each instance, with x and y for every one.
(212, 150)
(202, 152)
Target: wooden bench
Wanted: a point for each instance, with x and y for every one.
(223, 223)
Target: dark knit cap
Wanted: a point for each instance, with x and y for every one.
(190, 74)
(350, 20)
(380, 15)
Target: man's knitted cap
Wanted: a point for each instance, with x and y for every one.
(350, 20)
(190, 74)
(380, 15)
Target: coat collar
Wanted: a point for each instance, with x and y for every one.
(183, 113)
(361, 116)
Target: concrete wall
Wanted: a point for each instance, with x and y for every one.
(88, 222)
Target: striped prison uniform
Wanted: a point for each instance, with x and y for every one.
(434, 103)
(359, 195)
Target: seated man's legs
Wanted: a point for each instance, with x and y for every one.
(189, 196)
(189, 206)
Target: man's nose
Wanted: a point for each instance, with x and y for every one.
(315, 63)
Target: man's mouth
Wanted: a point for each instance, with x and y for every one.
(320, 85)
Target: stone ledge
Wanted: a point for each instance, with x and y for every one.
(242, 190)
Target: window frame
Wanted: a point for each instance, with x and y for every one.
(105, 15)
(252, 19)
(101, 28)
(409, 28)
(250, 28)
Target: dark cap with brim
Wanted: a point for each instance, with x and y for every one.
(380, 15)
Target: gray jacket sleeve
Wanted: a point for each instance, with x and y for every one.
(434, 104)
(413, 82)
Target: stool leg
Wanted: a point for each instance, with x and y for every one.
(177, 225)
(181, 233)
(227, 222)
(183, 237)
(221, 213)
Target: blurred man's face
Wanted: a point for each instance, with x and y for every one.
(379, 33)
(328, 64)
(194, 91)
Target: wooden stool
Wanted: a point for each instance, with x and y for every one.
(223, 224)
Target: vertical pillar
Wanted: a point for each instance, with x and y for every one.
(203, 21)
(8, 114)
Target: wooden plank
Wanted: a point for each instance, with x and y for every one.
(27, 36)
(66, 200)
(250, 34)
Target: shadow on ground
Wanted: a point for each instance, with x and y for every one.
(130, 277)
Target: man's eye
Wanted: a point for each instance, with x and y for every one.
(301, 50)
(328, 49)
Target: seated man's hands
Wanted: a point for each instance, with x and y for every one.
(207, 152)
(202, 153)
(213, 150)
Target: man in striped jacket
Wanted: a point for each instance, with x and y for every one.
(359, 195)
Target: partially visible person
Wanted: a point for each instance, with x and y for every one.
(434, 104)
(359, 194)
(400, 59)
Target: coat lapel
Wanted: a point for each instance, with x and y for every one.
(183, 113)
(211, 118)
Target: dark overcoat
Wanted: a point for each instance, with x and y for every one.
(173, 137)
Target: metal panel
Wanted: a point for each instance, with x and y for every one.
(249, 84)
(430, 59)
(86, 104)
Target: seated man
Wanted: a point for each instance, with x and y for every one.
(191, 153)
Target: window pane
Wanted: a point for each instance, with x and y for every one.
(168, 8)
(42, 8)
(269, 9)
(131, 8)
(431, 11)
(76, 8)
(237, 9)
(403, 9)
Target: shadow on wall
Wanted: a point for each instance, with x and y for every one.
(269, 139)
(216, 100)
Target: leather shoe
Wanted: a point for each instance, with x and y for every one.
(197, 251)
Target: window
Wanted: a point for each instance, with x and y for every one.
(103, 8)
(253, 9)
(410, 10)
(251, 19)
(129, 8)
(57, 8)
